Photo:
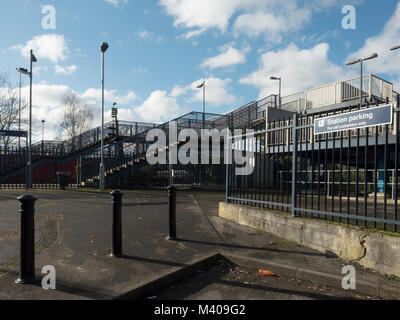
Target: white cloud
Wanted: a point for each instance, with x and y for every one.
(217, 92)
(146, 35)
(272, 25)
(48, 46)
(48, 105)
(204, 14)
(49, 96)
(109, 95)
(299, 70)
(228, 57)
(117, 3)
(253, 17)
(158, 107)
(65, 70)
(150, 36)
(178, 91)
(388, 61)
(38, 70)
(192, 33)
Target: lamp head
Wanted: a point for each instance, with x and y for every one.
(104, 47)
(33, 58)
(349, 63)
(23, 71)
(372, 56)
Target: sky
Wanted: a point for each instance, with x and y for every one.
(161, 50)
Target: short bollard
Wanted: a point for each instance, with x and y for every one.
(117, 224)
(172, 213)
(27, 247)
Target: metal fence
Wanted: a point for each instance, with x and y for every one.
(341, 177)
(47, 164)
(125, 162)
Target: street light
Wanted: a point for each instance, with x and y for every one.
(280, 89)
(43, 121)
(32, 60)
(21, 72)
(104, 46)
(360, 61)
(203, 85)
(30, 74)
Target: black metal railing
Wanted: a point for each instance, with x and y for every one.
(346, 177)
(125, 162)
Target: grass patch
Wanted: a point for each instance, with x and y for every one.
(393, 277)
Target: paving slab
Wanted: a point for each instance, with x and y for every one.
(78, 245)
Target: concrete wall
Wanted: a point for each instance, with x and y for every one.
(372, 250)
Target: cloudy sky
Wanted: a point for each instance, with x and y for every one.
(161, 50)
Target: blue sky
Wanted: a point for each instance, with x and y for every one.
(160, 50)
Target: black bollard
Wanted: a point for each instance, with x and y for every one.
(27, 246)
(172, 213)
(117, 224)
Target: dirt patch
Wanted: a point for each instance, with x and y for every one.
(227, 281)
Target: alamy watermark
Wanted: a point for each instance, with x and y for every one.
(184, 148)
(349, 280)
(49, 280)
(49, 20)
(349, 21)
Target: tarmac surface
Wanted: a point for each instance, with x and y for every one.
(73, 234)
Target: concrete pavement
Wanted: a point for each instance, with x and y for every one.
(78, 244)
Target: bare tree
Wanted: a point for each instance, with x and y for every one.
(9, 110)
(77, 116)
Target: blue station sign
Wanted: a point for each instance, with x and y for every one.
(365, 118)
(13, 133)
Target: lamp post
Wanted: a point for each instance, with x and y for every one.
(30, 74)
(203, 85)
(360, 61)
(25, 72)
(32, 60)
(103, 47)
(43, 121)
(280, 89)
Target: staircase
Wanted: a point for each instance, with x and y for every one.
(124, 154)
(128, 157)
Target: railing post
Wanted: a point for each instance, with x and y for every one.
(294, 164)
(117, 223)
(393, 184)
(227, 159)
(327, 172)
(27, 245)
(172, 212)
